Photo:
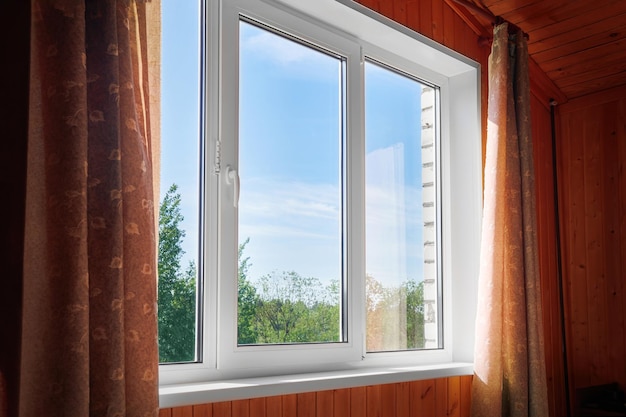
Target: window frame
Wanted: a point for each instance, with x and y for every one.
(458, 79)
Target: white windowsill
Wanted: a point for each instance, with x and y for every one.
(227, 390)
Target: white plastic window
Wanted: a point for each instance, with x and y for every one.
(341, 193)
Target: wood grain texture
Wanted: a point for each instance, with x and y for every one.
(341, 402)
(452, 396)
(546, 231)
(434, 398)
(182, 412)
(578, 44)
(591, 160)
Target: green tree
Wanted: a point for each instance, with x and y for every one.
(177, 287)
(395, 315)
(297, 309)
(414, 294)
(284, 307)
(248, 301)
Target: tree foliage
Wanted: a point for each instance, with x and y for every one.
(395, 315)
(177, 287)
(285, 307)
(297, 309)
(280, 307)
(248, 300)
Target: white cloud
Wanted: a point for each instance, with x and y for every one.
(293, 226)
(305, 203)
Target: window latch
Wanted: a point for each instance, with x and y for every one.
(232, 178)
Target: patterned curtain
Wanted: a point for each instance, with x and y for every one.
(89, 329)
(509, 366)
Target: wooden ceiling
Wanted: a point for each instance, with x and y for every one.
(579, 44)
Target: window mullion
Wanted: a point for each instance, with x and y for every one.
(355, 192)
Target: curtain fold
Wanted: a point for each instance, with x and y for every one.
(89, 333)
(509, 365)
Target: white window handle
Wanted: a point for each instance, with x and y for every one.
(232, 178)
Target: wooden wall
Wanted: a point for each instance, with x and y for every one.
(546, 232)
(441, 397)
(592, 158)
(428, 398)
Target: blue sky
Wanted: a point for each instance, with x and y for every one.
(290, 151)
(179, 112)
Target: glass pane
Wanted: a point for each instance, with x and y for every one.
(290, 207)
(179, 183)
(401, 285)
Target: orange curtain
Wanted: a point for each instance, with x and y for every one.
(89, 328)
(509, 366)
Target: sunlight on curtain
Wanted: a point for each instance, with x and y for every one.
(509, 363)
(89, 342)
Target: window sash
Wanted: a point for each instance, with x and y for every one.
(398, 211)
(230, 354)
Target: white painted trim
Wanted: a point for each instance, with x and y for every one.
(236, 389)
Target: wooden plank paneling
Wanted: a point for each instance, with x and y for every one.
(324, 404)
(413, 15)
(400, 12)
(501, 6)
(448, 26)
(454, 396)
(223, 409)
(373, 400)
(274, 406)
(621, 230)
(388, 405)
(183, 412)
(611, 120)
(575, 260)
(592, 157)
(574, 75)
(386, 8)
(423, 398)
(372, 4)
(358, 401)
(439, 397)
(575, 89)
(437, 19)
(203, 410)
(579, 44)
(545, 13)
(466, 396)
(306, 402)
(546, 232)
(240, 408)
(593, 250)
(583, 61)
(403, 399)
(572, 24)
(426, 18)
(290, 405)
(434, 398)
(258, 407)
(341, 402)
